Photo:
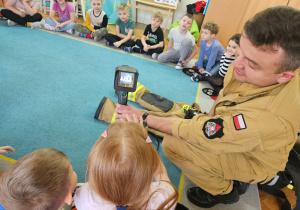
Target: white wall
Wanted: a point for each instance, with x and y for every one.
(144, 16)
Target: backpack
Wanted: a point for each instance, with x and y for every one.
(290, 176)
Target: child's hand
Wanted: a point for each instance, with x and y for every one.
(185, 62)
(201, 70)
(117, 44)
(133, 37)
(146, 48)
(6, 149)
(228, 55)
(92, 25)
(95, 31)
(58, 25)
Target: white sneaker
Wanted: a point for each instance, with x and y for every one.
(35, 25)
(11, 23)
(70, 31)
(179, 66)
(154, 56)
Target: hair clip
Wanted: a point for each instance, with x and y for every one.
(104, 134)
(148, 140)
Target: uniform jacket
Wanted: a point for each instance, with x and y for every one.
(253, 127)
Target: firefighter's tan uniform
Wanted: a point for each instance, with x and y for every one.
(248, 139)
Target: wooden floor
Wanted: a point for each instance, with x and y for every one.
(268, 202)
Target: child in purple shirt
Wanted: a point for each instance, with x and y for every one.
(210, 47)
(66, 19)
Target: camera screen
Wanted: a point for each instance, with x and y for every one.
(126, 79)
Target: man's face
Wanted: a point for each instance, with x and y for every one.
(185, 23)
(96, 4)
(123, 15)
(206, 35)
(155, 22)
(256, 66)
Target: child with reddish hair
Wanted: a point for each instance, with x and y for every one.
(120, 168)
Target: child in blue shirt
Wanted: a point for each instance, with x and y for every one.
(210, 47)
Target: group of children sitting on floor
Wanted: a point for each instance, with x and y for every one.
(212, 63)
(123, 171)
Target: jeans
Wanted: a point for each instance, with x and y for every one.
(214, 69)
(64, 28)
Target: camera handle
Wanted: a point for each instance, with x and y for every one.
(122, 97)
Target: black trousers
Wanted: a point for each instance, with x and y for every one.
(150, 51)
(111, 38)
(21, 20)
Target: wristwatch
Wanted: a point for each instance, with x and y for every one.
(145, 115)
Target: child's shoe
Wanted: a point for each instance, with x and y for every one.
(70, 31)
(82, 35)
(136, 49)
(11, 23)
(49, 27)
(196, 77)
(127, 49)
(205, 73)
(179, 65)
(154, 56)
(35, 25)
(108, 44)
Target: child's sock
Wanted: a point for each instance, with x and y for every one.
(49, 27)
(89, 36)
(70, 31)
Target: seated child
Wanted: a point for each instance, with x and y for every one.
(66, 19)
(43, 179)
(22, 12)
(210, 47)
(95, 24)
(184, 48)
(155, 44)
(124, 37)
(120, 168)
(226, 59)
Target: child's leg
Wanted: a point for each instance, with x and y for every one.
(82, 29)
(50, 22)
(111, 38)
(170, 55)
(67, 27)
(100, 34)
(215, 69)
(185, 49)
(140, 47)
(13, 17)
(34, 18)
(129, 43)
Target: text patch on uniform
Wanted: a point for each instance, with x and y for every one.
(239, 122)
(213, 128)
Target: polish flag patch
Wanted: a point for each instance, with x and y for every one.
(239, 122)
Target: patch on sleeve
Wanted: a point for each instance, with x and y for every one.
(239, 122)
(213, 128)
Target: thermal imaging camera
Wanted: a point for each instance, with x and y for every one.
(125, 81)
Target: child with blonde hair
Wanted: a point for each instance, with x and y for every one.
(66, 19)
(120, 169)
(95, 24)
(124, 37)
(154, 45)
(43, 179)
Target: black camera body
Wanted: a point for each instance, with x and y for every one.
(125, 81)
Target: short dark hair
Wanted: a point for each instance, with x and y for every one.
(236, 38)
(277, 26)
(189, 16)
